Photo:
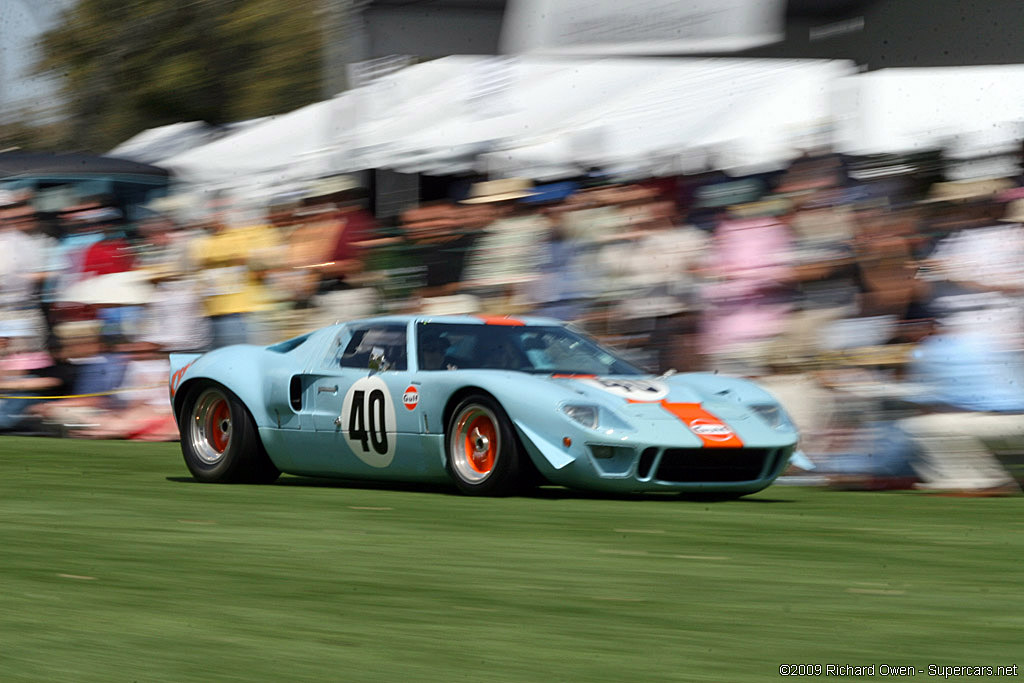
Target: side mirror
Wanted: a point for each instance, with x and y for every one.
(378, 361)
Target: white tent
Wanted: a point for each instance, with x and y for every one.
(684, 118)
(536, 116)
(546, 117)
(301, 143)
(971, 110)
(156, 144)
(153, 145)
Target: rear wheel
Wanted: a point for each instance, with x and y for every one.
(219, 439)
(482, 449)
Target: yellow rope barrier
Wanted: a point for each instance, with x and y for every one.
(99, 393)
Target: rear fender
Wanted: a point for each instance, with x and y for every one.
(180, 364)
(238, 368)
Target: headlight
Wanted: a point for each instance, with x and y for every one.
(595, 417)
(585, 415)
(775, 416)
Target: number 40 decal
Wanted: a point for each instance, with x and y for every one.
(367, 415)
(369, 424)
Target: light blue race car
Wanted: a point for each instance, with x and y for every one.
(488, 403)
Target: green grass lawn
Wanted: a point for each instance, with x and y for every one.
(116, 566)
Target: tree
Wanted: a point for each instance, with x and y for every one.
(32, 128)
(128, 65)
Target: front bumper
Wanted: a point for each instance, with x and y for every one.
(657, 468)
(639, 466)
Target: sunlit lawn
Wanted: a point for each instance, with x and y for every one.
(117, 567)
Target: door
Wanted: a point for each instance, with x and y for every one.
(358, 411)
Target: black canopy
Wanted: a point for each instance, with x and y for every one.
(39, 164)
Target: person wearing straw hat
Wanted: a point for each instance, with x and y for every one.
(973, 405)
(560, 290)
(984, 255)
(502, 190)
(508, 252)
(973, 366)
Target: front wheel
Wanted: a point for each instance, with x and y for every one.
(481, 447)
(219, 439)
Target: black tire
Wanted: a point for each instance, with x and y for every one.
(219, 439)
(481, 448)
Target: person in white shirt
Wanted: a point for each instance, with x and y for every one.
(23, 266)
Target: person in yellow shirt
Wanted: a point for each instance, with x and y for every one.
(233, 261)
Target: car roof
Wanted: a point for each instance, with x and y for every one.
(461, 320)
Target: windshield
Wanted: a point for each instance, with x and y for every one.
(548, 350)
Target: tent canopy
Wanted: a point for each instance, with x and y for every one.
(155, 144)
(541, 116)
(553, 116)
(970, 111)
(549, 117)
(39, 164)
(280, 148)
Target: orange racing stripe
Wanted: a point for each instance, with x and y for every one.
(501, 320)
(711, 430)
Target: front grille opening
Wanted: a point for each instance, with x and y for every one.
(643, 468)
(691, 465)
(613, 460)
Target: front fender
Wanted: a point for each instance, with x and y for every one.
(532, 405)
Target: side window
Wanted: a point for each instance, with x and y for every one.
(443, 346)
(388, 338)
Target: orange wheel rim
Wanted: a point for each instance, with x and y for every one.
(479, 444)
(474, 445)
(220, 419)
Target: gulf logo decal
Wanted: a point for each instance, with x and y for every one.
(712, 431)
(411, 398)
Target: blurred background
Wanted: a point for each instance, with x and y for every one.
(826, 196)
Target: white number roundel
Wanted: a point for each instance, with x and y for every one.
(633, 389)
(368, 421)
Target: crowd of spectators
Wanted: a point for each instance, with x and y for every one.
(888, 322)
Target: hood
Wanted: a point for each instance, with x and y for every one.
(643, 396)
(620, 391)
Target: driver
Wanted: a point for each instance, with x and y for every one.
(433, 350)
